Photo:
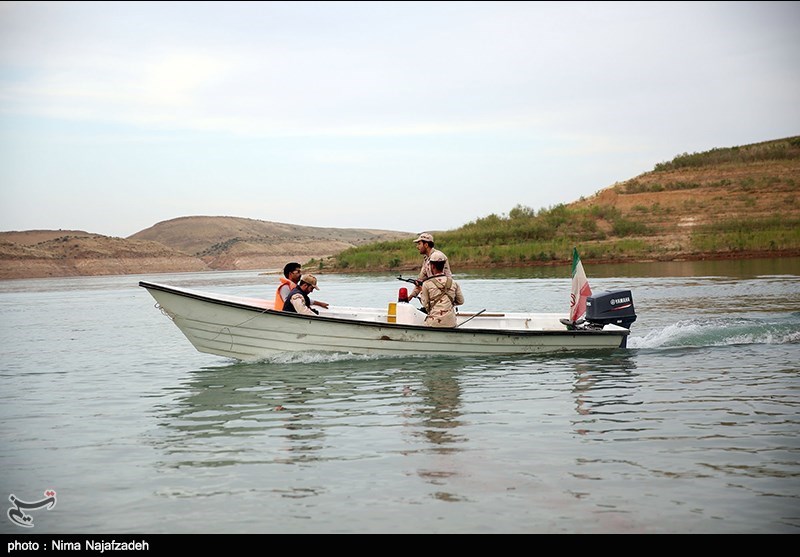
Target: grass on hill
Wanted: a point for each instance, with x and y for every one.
(604, 232)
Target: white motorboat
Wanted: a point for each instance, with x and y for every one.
(249, 329)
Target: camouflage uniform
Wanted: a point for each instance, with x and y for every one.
(439, 297)
(426, 271)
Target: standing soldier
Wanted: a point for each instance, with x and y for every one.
(425, 246)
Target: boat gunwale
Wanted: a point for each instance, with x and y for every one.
(207, 297)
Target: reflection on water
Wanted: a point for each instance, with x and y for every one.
(439, 408)
(604, 386)
(256, 410)
(292, 413)
(322, 413)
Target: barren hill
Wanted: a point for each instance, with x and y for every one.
(178, 245)
(228, 243)
(199, 234)
(63, 253)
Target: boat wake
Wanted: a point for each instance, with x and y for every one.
(718, 331)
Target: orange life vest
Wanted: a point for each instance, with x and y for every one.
(278, 300)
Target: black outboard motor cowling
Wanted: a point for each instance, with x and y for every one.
(611, 307)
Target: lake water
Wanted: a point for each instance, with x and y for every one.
(694, 429)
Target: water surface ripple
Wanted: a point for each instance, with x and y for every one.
(693, 429)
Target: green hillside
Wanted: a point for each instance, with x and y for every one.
(727, 202)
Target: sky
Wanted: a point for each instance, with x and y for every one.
(406, 116)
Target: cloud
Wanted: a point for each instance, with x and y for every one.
(485, 104)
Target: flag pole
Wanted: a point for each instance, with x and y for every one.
(580, 289)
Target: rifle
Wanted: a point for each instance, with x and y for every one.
(415, 282)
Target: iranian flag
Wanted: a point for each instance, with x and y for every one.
(580, 288)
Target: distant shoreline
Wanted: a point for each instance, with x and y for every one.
(28, 269)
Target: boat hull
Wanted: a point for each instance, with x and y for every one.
(250, 330)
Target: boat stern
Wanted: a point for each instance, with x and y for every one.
(611, 308)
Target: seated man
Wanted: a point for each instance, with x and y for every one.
(298, 300)
(440, 294)
(292, 273)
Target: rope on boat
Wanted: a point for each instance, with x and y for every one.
(171, 316)
(224, 329)
(265, 310)
(164, 312)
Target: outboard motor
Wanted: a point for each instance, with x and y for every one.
(611, 307)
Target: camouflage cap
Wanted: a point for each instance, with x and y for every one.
(424, 237)
(310, 280)
(438, 256)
